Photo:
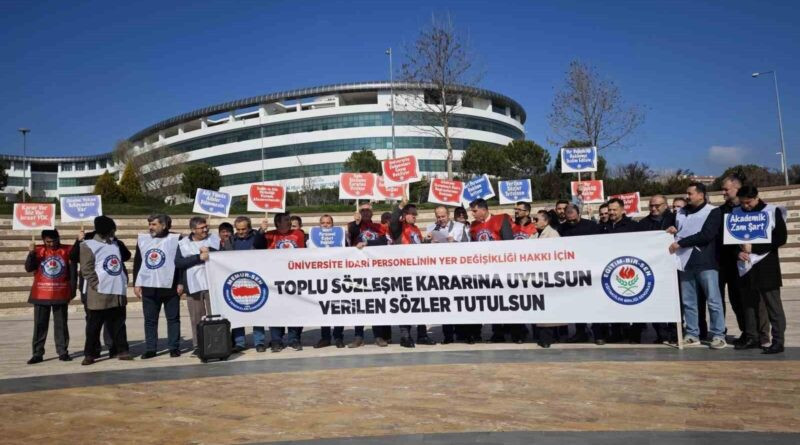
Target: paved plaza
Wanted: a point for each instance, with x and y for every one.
(457, 393)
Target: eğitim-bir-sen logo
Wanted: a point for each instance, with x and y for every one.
(368, 235)
(245, 291)
(627, 280)
(286, 244)
(53, 267)
(112, 265)
(154, 258)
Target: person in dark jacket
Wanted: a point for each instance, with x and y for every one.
(574, 225)
(696, 232)
(156, 282)
(245, 238)
(762, 282)
(75, 260)
(52, 290)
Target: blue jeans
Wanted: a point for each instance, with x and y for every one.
(276, 334)
(151, 307)
(259, 336)
(707, 281)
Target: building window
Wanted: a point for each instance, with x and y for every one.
(92, 165)
(102, 163)
(17, 165)
(66, 167)
(80, 166)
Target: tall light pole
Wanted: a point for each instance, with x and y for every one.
(391, 91)
(780, 122)
(24, 132)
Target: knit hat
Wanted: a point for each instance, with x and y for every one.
(104, 225)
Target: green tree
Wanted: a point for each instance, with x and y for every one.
(526, 159)
(199, 175)
(363, 161)
(480, 158)
(130, 185)
(107, 187)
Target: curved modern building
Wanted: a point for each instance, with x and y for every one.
(298, 138)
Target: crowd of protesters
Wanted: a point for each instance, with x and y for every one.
(168, 265)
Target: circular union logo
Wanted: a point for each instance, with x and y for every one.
(484, 235)
(154, 258)
(627, 280)
(285, 244)
(521, 235)
(245, 291)
(112, 265)
(53, 267)
(415, 239)
(368, 235)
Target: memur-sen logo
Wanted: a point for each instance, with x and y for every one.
(112, 265)
(628, 280)
(285, 244)
(154, 258)
(245, 291)
(53, 267)
(367, 235)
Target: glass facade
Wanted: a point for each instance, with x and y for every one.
(343, 121)
(330, 147)
(277, 174)
(16, 181)
(77, 182)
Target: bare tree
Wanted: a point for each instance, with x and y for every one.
(440, 58)
(590, 108)
(158, 169)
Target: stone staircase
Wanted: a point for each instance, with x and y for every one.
(15, 282)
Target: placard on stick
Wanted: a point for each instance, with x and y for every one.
(81, 208)
(403, 170)
(34, 216)
(590, 191)
(383, 191)
(211, 202)
(356, 185)
(515, 190)
(445, 191)
(266, 198)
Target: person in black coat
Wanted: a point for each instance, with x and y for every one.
(763, 281)
(74, 260)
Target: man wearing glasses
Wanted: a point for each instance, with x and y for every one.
(190, 260)
(523, 226)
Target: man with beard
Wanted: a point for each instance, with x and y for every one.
(561, 210)
(523, 226)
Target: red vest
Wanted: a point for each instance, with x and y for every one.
(369, 231)
(51, 279)
(289, 240)
(410, 235)
(488, 230)
(523, 232)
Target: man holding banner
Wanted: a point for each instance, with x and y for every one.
(156, 283)
(190, 261)
(760, 270)
(51, 291)
(326, 223)
(283, 237)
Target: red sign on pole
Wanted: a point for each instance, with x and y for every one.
(401, 170)
(447, 192)
(266, 198)
(631, 201)
(591, 192)
(33, 216)
(383, 191)
(356, 185)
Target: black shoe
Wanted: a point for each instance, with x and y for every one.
(296, 345)
(578, 338)
(747, 344)
(148, 354)
(174, 353)
(773, 349)
(497, 338)
(323, 343)
(470, 340)
(543, 344)
(261, 348)
(277, 347)
(339, 342)
(65, 357)
(447, 341)
(518, 340)
(599, 341)
(35, 359)
(237, 349)
(425, 341)
(406, 342)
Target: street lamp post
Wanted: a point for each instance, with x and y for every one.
(780, 122)
(24, 132)
(391, 91)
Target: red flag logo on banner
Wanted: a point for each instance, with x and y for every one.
(445, 191)
(401, 170)
(267, 198)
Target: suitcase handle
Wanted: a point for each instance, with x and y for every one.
(211, 316)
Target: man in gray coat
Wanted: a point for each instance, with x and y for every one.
(106, 287)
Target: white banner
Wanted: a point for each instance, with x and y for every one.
(627, 277)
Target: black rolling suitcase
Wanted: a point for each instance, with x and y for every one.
(214, 338)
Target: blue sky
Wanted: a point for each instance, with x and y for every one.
(83, 76)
